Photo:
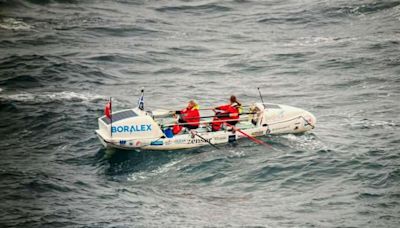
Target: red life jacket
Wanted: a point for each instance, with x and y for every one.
(190, 116)
(230, 109)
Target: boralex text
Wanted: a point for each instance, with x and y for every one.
(131, 128)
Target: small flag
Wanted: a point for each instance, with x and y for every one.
(141, 101)
(107, 109)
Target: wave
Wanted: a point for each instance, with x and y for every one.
(171, 70)
(374, 7)
(14, 4)
(304, 142)
(191, 49)
(46, 2)
(14, 24)
(122, 31)
(378, 178)
(320, 40)
(111, 58)
(210, 73)
(369, 124)
(31, 71)
(142, 175)
(13, 59)
(22, 81)
(42, 186)
(204, 8)
(347, 63)
(300, 19)
(359, 9)
(48, 97)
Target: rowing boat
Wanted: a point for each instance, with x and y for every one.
(137, 129)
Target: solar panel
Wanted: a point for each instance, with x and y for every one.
(119, 116)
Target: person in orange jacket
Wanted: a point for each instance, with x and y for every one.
(188, 117)
(229, 112)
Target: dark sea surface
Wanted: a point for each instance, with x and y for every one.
(60, 60)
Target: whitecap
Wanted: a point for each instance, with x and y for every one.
(13, 24)
(305, 142)
(158, 171)
(318, 40)
(366, 123)
(237, 154)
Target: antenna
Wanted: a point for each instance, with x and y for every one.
(259, 92)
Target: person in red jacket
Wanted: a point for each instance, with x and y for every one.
(229, 112)
(188, 117)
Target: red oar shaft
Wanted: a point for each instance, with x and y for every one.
(249, 136)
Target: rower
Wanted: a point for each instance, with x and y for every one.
(230, 112)
(189, 117)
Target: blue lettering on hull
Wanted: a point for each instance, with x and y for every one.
(156, 143)
(131, 128)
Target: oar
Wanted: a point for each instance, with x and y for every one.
(213, 145)
(201, 122)
(202, 109)
(249, 136)
(212, 108)
(229, 115)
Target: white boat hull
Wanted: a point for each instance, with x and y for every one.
(271, 120)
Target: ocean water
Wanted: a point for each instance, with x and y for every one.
(60, 60)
